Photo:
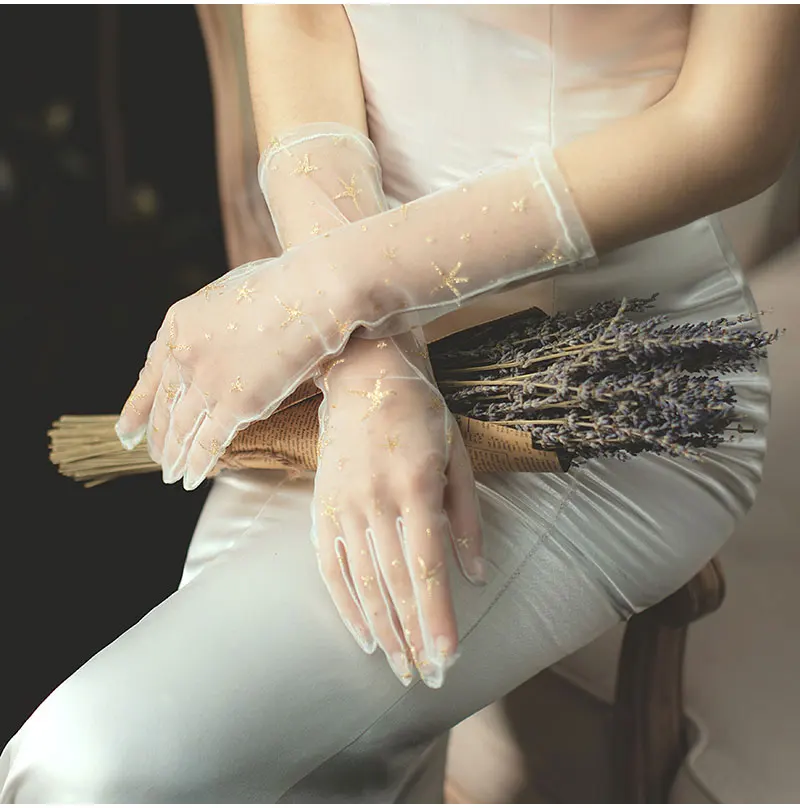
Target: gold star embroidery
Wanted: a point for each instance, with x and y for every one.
(367, 580)
(396, 563)
(392, 442)
(381, 344)
(449, 279)
(244, 292)
(171, 345)
(294, 313)
(130, 402)
(315, 230)
(375, 396)
(171, 391)
(344, 327)
(429, 577)
(232, 326)
(520, 206)
(330, 510)
(237, 386)
(436, 404)
(214, 448)
(466, 236)
(207, 336)
(389, 253)
(214, 286)
(422, 351)
(304, 166)
(350, 192)
(327, 372)
(463, 541)
(260, 327)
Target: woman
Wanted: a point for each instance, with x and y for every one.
(244, 686)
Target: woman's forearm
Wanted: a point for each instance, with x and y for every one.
(303, 67)
(722, 135)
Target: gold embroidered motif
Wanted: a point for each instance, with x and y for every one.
(428, 577)
(350, 192)
(237, 386)
(171, 345)
(244, 292)
(520, 206)
(294, 313)
(375, 396)
(393, 442)
(304, 166)
(330, 510)
(449, 279)
(214, 286)
(130, 402)
(344, 327)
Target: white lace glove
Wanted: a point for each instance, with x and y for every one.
(379, 602)
(393, 490)
(229, 355)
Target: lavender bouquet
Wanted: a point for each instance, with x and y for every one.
(595, 383)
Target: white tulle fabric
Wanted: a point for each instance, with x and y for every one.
(394, 486)
(393, 493)
(229, 354)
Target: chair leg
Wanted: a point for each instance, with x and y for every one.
(649, 736)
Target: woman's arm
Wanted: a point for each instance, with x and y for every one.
(303, 67)
(722, 135)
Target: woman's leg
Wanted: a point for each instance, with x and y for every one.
(244, 686)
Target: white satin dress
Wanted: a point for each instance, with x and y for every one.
(244, 686)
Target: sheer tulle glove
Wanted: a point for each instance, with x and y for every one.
(389, 613)
(229, 355)
(393, 493)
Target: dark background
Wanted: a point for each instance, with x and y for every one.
(108, 213)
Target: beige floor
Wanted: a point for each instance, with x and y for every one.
(548, 741)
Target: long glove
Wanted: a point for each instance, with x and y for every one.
(384, 426)
(229, 355)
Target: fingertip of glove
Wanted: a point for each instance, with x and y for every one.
(130, 440)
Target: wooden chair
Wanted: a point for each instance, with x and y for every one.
(649, 727)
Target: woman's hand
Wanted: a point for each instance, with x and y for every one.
(227, 356)
(394, 488)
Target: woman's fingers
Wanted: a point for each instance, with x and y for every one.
(387, 557)
(373, 595)
(336, 574)
(463, 509)
(170, 389)
(426, 534)
(132, 424)
(208, 444)
(186, 418)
